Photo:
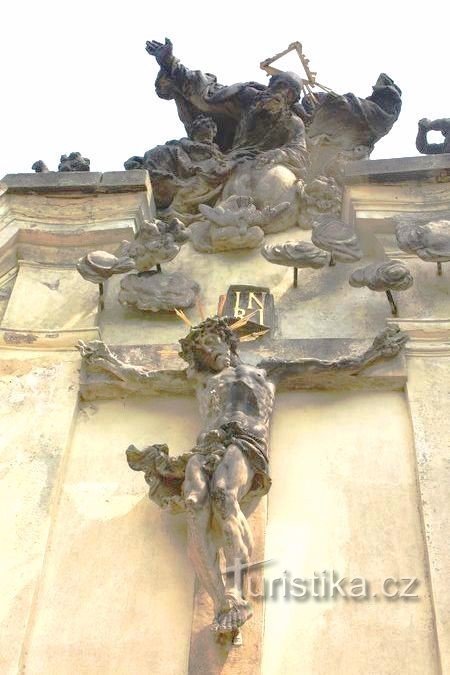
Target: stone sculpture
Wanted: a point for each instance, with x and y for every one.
(187, 172)
(258, 130)
(39, 167)
(337, 237)
(234, 224)
(249, 140)
(97, 266)
(429, 241)
(321, 198)
(156, 292)
(426, 125)
(227, 470)
(296, 254)
(156, 242)
(391, 275)
(74, 162)
(345, 128)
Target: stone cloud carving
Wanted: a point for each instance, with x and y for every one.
(392, 275)
(338, 238)
(97, 266)
(234, 224)
(298, 254)
(429, 241)
(155, 243)
(155, 292)
(228, 469)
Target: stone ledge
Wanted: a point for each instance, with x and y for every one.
(77, 181)
(398, 169)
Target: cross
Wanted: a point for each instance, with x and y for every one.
(225, 475)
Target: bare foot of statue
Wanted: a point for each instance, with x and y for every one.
(231, 617)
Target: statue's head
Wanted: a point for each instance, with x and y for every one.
(210, 346)
(203, 129)
(288, 85)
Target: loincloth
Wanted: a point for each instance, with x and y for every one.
(214, 445)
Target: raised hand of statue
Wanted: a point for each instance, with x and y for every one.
(389, 342)
(162, 52)
(424, 123)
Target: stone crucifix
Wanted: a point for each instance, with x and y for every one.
(228, 468)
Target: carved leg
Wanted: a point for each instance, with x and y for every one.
(201, 545)
(232, 480)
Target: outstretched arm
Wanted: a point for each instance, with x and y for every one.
(385, 346)
(181, 78)
(98, 358)
(422, 145)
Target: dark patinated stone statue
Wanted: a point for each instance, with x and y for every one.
(244, 140)
(229, 467)
(426, 125)
(346, 127)
(39, 167)
(74, 162)
(249, 140)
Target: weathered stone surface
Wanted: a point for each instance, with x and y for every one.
(430, 241)
(39, 167)
(233, 224)
(401, 169)
(236, 402)
(391, 275)
(74, 162)
(295, 254)
(95, 617)
(337, 237)
(158, 291)
(52, 180)
(322, 196)
(121, 181)
(156, 242)
(347, 127)
(207, 238)
(100, 265)
(360, 451)
(111, 181)
(260, 144)
(38, 401)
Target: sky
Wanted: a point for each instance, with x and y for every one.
(76, 77)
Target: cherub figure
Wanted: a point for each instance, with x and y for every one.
(228, 469)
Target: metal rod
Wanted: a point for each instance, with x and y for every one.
(101, 297)
(439, 268)
(295, 277)
(332, 262)
(394, 308)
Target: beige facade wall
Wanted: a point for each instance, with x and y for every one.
(350, 505)
(95, 579)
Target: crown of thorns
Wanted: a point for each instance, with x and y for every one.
(193, 342)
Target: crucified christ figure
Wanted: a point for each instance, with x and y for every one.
(227, 470)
